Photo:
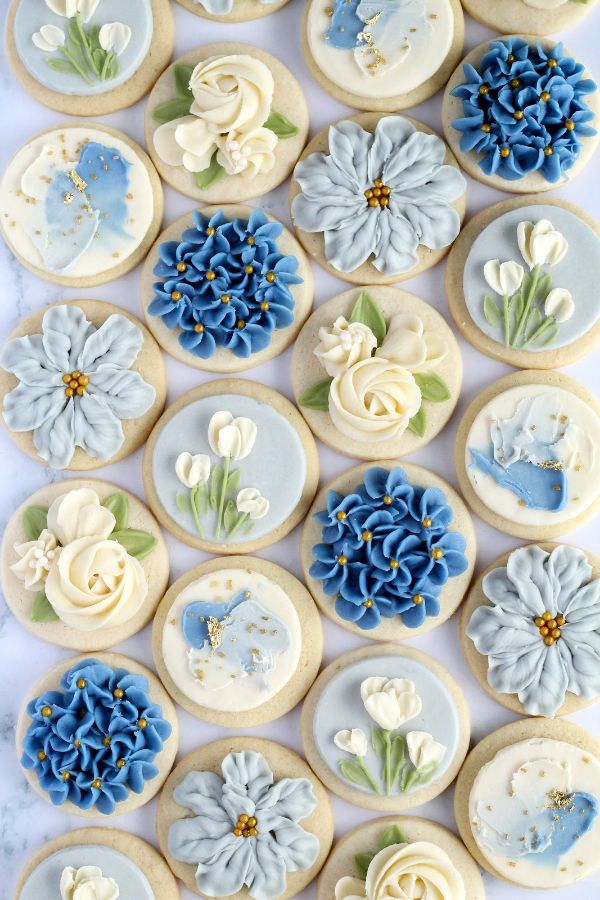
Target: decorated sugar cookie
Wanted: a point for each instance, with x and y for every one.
(230, 467)
(526, 803)
(80, 204)
(388, 550)
(84, 564)
(377, 199)
(226, 288)
(529, 16)
(527, 457)
(99, 863)
(82, 384)
(529, 629)
(521, 114)
(97, 735)
(232, 10)
(383, 58)
(522, 279)
(237, 642)
(388, 856)
(88, 57)
(244, 817)
(385, 727)
(226, 122)
(376, 372)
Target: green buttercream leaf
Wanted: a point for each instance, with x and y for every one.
(426, 773)
(181, 76)
(432, 387)
(544, 286)
(34, 520)
(418, 423)
(362, 861)
(42, 610)
(353, 772)
(94, 37)
(491, 311)
(230, 516)
(233, 482)
(216, 480)
(281, 126)
(317, 396)
(548, 336)
(409, 778)
(517, 305)
(62, 65)
(118, 505)
(137, 543)
(366, 311)
(391, 836)
(378, 741)
(534, 321)
(183, 502)
(398, 753)
(211, 175)
(171, 109)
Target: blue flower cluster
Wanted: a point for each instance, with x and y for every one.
(387, 550)
(96, 739)
(525, 110)
(225, 284)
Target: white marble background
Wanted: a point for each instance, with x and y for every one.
(26, 821)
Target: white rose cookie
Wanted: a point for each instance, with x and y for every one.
(385, 727)
(527, 457)
(88, 57)
(237, 642)
(376, 372)
(377, 199)
(84, 564)
(232, 10)
(240, 313)
(74, 864)
(80, 204)
(226, 122)
(363, 55)
(82, 383)
(396, 853)
(520, 282)
(529, 16)
(526, 803)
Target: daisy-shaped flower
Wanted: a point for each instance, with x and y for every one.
(244, 828)
(381, 195)
(75, 384)
(542, 633)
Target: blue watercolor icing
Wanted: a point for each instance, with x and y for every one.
(532, 484)
(107, 176)
(345, 25)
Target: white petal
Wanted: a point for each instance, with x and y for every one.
(64, 8)
(49, 38)
(86, 9)
(511, 277)
(524, 230)
(218, 421)
(559, 304)
(114, 37)
(491, 273)
(165, 144)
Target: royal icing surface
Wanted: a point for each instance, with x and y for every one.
(45, 880)
(380, 50)
(224, 7)
(534, 813)
(532, 455)
(231, 640)
(76, 202)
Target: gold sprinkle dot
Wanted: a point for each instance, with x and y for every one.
(342, 560)
(240, 324)
(504, 152)
(514, 83)
(41, 755)
(368, 603)
(210, 231)
(46, 711)
(486, 128)
(66, 776)
(394, 563)
(270, 276)
(69, 391)
(545, 96)
(548, 151)
(484, 89)
(106, 741)
(66, 378)
(264, 306)
(118, 693)
(418, 599)
(77, 743)
(569, 124)
(210, 275)
(388, 500)
(142, 723)
(549, 640)
(552, 63)
(176, 295)
(181, 267)
(248, 270)
(427, 522)
(97, 784)
(547, 616)
(250, 240)
(510, 58)
(225, 298)
(518, 115)
(198, 327)
(367, 535)
(437, 553)
(341, 516)
(121, 763)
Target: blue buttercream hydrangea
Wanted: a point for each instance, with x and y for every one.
(96, 739)
(225, 284)
(387, 550)
(524, 110)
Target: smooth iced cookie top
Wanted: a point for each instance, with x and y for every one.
(45, 880)
(533, 811)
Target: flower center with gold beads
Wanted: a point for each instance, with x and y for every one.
(549, 627)
(379, 194)
(75, 383)
(245, 826)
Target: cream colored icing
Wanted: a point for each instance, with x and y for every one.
(581, 452)
(87, 883)
(410, 67)
(218, 690)
(513, 789)
(23, 218)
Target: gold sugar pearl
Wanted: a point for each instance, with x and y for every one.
(46, 711)
(118, 693)
(560, 620)
(552, 63)
(548, 151)
(41, 755)
(198, 327)
(486, 128)
(97, 784)
(243, 818)
(142, 723)
(264, 305)
(210, 275)
(250, 240)
(545, 96)
(270, 276)
(106, 741)
(237, 832)
(569, 124)
(248, 270)
(549, 640)
(181, 267)
(176, 295)
(81, 683)
(341, 516)
(368, 603)
(510, 58)
(518, 114)
(514, 83)
(210, 231)
(437, 553)
(388, 500)
(394, 563)
(547, 616)
(342, 560)
(74, 383)
(240, 324)
(418, 599)
(378, 195)
(77, 743)
(121, 763)
(367, 535)
(483, 89)
(66, 378)
(225, 298)
(83, 380)
(427, 522)
(251, 822)
(504, 152)
(66, 776)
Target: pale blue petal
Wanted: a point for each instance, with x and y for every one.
(546, 694)
(414, 161)
(569, 569)
(526, 569)
(54, 440)
(270, 870)
(195, 841)
(511, 674)
(396, 244)
(390, 134)
(124, 391)
(26, 359)
(498, 588)
(349, 146)
(96, 429)
(494, 632)
(27, 407)
(65, 332)
(117, 342)
(228, 869)
(582, 664)
(351, 245)
(246, 775)
(290, 798)
(434, 224)
(201, 792)
(584, 603)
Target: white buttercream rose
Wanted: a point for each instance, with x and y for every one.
(409, 345)
(232, 93)
(373, 400)
(78, 514)
(87, 883)
(247, 152)
(35, 559)
(343, 345)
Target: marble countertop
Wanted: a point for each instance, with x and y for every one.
(26, 821)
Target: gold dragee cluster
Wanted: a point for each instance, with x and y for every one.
(245, 826)
(379, 194)
(76, 383)
(549, 626)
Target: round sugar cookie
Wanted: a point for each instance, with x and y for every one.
(545, 427)
(130, 44)
(82, 382)
(237, 641)
(92, 785)
(437, 848)
(136, 867)
(353, 57)
(231, 467)
(344, 339)
(562, 322)
(538, 17)
(89, 619)
(528, 795)
(233, 11)
(512, 649)
(384, 694)
(242, 761)
(265, 289)
(268, 135)
(80, 204)
(493, 155)
(357, 229)
(431, 558)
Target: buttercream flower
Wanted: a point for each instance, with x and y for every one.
(79, 514)
(390, 701)
(87, 883)
(423, 750)
(187, 142)
(533, 588)
(192, 470)
(559, 304)
(373, 400)
(75, 385)
(344, 344)
(251, 503)
(337, 200)
(49, 38)
(232, 93)
(352, 741)
(504, 278)
(231, 437)
(247, 152)
(541, 244)
(409, 345)
(212, 840)
(35, 559)
(114, 37)
(69, 8)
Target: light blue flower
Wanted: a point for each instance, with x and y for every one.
(225, 861)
